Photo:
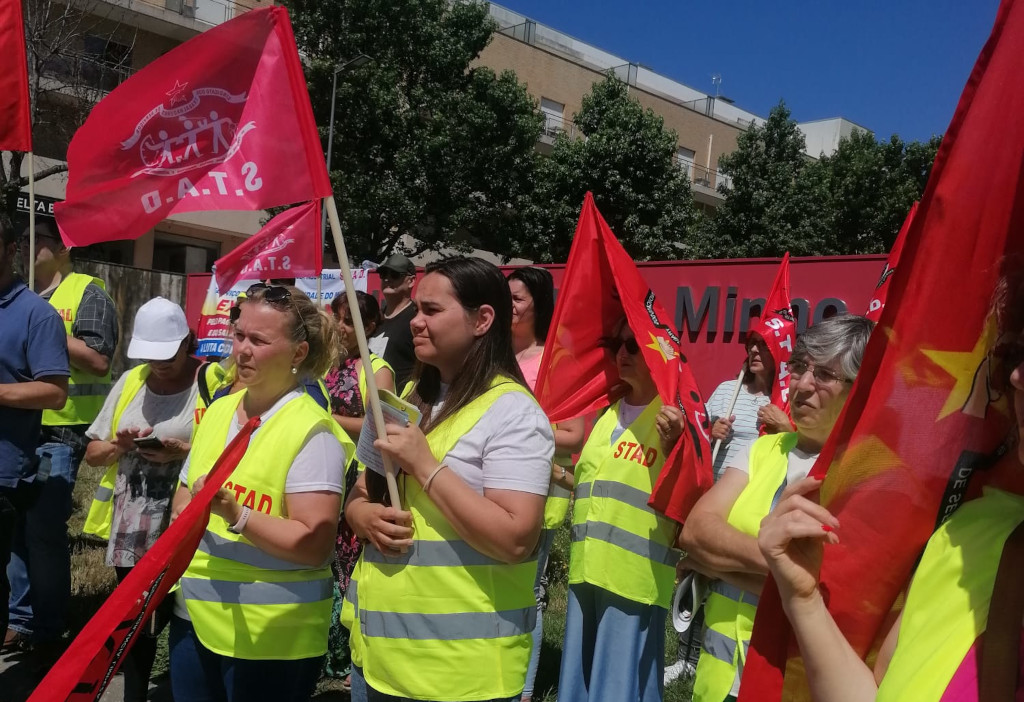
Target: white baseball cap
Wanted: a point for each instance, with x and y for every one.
(160, 327)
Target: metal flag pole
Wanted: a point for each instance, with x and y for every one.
(31, 223)
(364, 350)
(728, 412)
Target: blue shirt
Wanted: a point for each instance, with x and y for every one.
(33, 345)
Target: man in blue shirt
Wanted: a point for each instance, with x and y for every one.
(34, 375)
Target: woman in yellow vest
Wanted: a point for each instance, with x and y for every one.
(533, 305)
(254, 605)
(143, 432)
(622, 563)
(720, 534)
(942, 647)
(443, 593)
(345, 386)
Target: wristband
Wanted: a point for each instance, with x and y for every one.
(239, 526)
(428, 481)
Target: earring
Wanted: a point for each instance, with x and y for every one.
(294, 371)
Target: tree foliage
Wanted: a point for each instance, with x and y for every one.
(626, 157)
(424, 143)
(850, 202)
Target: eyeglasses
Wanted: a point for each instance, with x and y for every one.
(822, 376)
(614, 344)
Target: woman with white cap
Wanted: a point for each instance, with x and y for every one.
(144, 429)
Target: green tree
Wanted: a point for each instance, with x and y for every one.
(870, 186)
(424, 144)
(769, 207)
(627, 159)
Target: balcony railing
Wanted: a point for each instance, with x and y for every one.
(555, 125)
(702, 175)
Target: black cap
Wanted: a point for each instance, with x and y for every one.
(399, 264)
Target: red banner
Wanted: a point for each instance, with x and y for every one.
(578, 374)
(882, 288)
(928, 413)
(778, 329)
(15, 120)
(222, 122)
(92, 659)
(288, 247)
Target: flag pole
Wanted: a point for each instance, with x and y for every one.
(728, 412)
(364, 350)
(31, 223)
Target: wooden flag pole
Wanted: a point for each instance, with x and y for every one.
(364, 350)
(728, 412)
(31, 223)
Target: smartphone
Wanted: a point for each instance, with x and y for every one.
(149, 442)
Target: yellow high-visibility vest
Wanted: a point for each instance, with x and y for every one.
(729, 611)
(948, 603)
(101, 509)
(244, 602)
(444, 621)
(619, 543)
(86, 392)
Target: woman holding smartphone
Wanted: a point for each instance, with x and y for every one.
(144, 428)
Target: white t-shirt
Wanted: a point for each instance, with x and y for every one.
(319, 465)
(510, 448)
(745, 429)
(800, 464)
(627, 415)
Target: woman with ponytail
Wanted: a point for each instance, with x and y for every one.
(254, 608)
(443, 593)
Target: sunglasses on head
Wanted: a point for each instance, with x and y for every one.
(614, 344)
(275, 295)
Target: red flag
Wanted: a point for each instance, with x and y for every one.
(15, 121)
(778, 329)
(92, 659)
(928, 410)
(222, 122)
(578, 376)
(288, 247)
(874, 312)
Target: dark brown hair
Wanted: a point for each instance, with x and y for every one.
(476, 283)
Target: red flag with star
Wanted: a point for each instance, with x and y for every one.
(221, 122)
(877, 303)
(578, 375)
(928, 414)
(778, 329)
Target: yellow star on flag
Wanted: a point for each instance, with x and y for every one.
(963, 366)
(662, 346)
(865, 458)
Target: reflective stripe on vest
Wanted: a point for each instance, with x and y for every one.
(556, 507)
(443, 621)
(619, 543)
(101, 510)
(86, 392)
(245, 603)
(950, 595)
(451, 627)
(729, 611)
(229, 592)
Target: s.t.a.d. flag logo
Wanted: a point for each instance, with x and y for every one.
(222, 122)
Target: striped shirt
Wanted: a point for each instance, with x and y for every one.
(745, 429)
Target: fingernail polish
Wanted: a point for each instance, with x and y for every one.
(827, 528)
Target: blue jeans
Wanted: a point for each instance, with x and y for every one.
(543, 550)
(361, 692)
(200, 675)
(40, 567)
(614, 648)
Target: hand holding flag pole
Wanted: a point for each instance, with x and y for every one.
(364, 350)
(728, 412)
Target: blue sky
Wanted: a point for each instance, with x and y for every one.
(895, 66)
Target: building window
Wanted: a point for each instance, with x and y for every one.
(684, 159)
(101, 63)
(553, 112)
(181, 254)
